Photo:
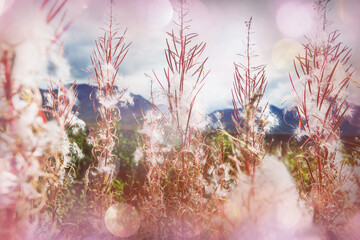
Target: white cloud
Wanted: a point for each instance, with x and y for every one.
(219, 23)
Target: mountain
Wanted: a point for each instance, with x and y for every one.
(86, 111)
(286, 120)
(288, 123)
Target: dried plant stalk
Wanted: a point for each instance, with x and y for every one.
(321, 105)
(106, 59)
(250, 115)
(27, 138)
(174, 151)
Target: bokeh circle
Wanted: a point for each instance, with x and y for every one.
(122, 220)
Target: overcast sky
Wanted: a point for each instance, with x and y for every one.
(279, 27)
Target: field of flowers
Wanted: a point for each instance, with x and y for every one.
(172, 177)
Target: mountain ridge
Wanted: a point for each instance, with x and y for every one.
(287, 122)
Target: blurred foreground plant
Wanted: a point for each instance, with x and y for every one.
(264, 202)
(320, 103)
(28, 140)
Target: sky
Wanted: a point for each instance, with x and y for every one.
(278, 27)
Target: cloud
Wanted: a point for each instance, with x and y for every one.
(219, 23)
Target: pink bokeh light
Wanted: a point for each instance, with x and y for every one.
(294, 19)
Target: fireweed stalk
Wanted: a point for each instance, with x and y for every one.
(251, 117)
(106, 58)
(320, 103)
(59, 106)
(174, 153)
(264, 202)
(28, 139)
(59, 103)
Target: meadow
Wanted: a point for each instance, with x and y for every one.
(172, 171)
